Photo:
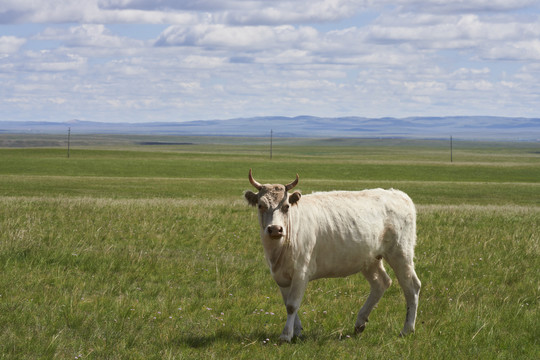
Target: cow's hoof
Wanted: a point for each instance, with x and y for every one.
(359, 328)
(285, 339)
(405, 332)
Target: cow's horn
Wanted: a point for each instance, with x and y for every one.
(291, 185)
(254, 182)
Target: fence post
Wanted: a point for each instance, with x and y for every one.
(271, 141)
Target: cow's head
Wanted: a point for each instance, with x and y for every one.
(273, 202)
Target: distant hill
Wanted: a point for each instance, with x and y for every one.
(460, 127)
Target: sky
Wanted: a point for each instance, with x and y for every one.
(168, 60)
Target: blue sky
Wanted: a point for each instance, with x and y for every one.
(165, 60)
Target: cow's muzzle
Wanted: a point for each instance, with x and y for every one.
(275, 231)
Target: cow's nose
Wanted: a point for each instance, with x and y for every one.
(275, 230)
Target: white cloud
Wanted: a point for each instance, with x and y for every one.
(289, 11)
(468, 72)
(88, 11)
(462, 6)
(57, 100)
(236, 12)
(455, 31)
(42, 11)
(88, 35)
(425, 87)
(251, 38)
(10, 44)
(481, 85)
(528, 50)
(47, 61)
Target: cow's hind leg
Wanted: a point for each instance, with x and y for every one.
(379, 281)
(408, 280)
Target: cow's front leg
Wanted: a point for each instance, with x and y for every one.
(293, 298)
(297, 323)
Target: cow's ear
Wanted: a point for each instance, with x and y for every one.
(251, 198)
(295, 196)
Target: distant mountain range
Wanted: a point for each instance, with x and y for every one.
(460, 127)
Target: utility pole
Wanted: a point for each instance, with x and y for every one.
(451, 150)
(69, 139)
(271, 140)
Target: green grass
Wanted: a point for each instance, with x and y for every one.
(152, 253)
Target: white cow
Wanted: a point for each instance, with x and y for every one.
(336, 234)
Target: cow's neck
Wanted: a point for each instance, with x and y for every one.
(276, 251)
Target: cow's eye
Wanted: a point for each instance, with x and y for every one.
(285, 208)
(261, 207)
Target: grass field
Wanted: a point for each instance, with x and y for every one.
(150, 252)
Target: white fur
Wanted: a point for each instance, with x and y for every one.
(339, 233)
